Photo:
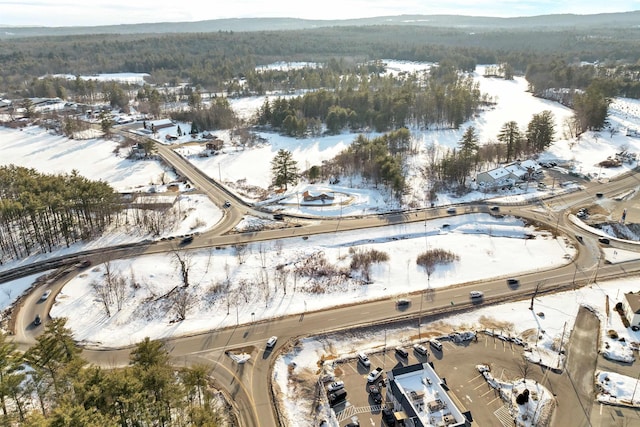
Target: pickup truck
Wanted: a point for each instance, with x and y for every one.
(374, 375)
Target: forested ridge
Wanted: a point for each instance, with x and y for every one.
(211, 59)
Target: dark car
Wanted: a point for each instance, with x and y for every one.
(37, 321)
(388, 417)
(227, 204)
(604, 240)
(512, 282)
(278, 217)
(375, 394)
(337, 397)
(402, 352)
(187, 240)
(495, 208)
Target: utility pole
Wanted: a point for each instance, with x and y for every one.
(561, 342)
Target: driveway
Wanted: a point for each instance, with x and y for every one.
(582, 357)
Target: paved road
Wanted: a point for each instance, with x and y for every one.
(250, 382)
(582, 356)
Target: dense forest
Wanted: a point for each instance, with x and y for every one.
(40, 212)
(211, 60)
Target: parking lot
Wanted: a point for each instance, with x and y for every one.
(455, 364)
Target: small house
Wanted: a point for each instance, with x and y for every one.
(631, 307)
(214, 144)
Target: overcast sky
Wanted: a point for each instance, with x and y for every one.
(55, 13)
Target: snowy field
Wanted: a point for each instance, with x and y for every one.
(481, 241)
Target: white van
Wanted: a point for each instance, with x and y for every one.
(364, 359)
(436, 344)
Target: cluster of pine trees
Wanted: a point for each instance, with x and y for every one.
(51, 385)
(444, 98)
(39, 212)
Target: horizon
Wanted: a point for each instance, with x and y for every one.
(75, 13)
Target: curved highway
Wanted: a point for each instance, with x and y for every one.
(248, 384)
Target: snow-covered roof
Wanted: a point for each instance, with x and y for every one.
(498, 173)
(419, 390)
(530, 164)
(516, 170)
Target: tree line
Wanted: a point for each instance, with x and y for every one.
(52, 385)
(40, 212)
(441, 98)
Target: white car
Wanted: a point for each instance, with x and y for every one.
(45, 295)
(374, 375)
(272, 341)
(335, 386)
(476, 294)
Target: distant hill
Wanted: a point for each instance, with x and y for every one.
(617, 20)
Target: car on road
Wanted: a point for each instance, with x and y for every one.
(82, 264)
(272, 341)
(451, 210)
(598, 195)
(512, 282)
(476, 294)
(495, 208)
(403, 302)
(45, 295)
(579, 238)
(278, 217)
(402, 352)
(374, 375)
(227, 204)
(37, 321)
(604, 240)
(187, 240)
(420, 349)
(374, 392)
(335, 386)
(364, 359)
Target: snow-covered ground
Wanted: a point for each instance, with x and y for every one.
(227, 287)
(481, 242)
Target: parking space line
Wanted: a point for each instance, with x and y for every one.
(487, 392)
(476, 377)
(497, 398)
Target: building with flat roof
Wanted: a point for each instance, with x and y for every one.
(421, 399)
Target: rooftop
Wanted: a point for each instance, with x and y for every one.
(423, 397)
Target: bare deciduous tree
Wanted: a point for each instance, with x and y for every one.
(241, 252)
(182, 302)
(183, 261)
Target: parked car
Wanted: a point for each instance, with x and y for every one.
(388, 417)
(476, 294)
(375, 394)
(402, 352)
(420, 349)
(364, 359)
(337, 397)
(436, 344)
(374, 375)
(272, 341)
(187, 240)
(278, 217)
(604, 240)
(45, 295)
(335, 386)
(37, 321)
